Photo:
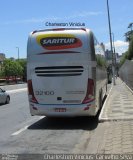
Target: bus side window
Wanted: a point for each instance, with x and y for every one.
(93, 57)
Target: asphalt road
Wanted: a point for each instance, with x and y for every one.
(21, 133)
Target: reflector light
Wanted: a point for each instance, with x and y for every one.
(83, 29)
(31, 93)
(87, 108)
(90, 92)
(34, 32)
(34, 108)
(59, 29)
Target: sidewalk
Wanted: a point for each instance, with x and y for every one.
(14, 86)
(115, 134)
(118, 111)
(119, 103)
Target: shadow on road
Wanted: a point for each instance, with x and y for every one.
(85, 123)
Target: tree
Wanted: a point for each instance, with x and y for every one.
(100, 60)
(130, 49)
(23, 63)
(129, 37)
(12, 68)
(124, 57)
(129, 34)
(130, 26)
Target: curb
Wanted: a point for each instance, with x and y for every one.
(115, 120)
(103, 108)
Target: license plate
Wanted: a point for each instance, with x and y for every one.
(60, 109)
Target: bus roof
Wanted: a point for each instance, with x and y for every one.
(59, 29)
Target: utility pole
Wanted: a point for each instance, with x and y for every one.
(114, 49)
(113, 66)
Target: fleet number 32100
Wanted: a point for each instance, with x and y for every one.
(40, 92)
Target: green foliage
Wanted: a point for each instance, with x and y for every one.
(23, 63)
(100, 61)
(1, 73)
(12, 68)
(128, 35)
(123, 59)
(129, 54)
(130, 49)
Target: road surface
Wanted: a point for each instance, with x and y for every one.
(21, 133)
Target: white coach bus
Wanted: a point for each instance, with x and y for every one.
(66, 72)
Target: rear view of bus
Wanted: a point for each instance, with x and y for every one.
(59, 72)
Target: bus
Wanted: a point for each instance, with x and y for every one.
(66, 72)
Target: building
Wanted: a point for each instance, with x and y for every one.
(118, 58)
(103, 47)
(12, 58)
(2, 57)
(108, 55)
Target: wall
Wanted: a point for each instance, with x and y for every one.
(126, 73)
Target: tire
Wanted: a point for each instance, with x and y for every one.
(106, 87)
(7, 100)
(100, 99)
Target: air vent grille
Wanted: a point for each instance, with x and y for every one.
(59, 71)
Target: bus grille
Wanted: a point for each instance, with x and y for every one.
(59, 71)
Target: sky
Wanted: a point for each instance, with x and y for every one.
(20, 17)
